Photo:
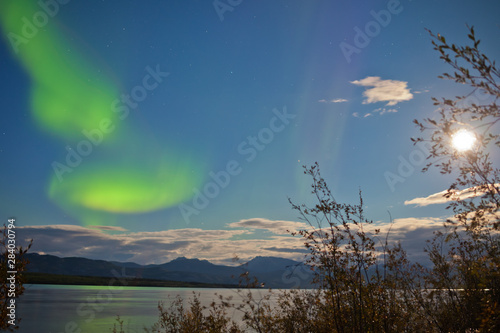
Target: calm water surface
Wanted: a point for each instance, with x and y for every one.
(73, 309)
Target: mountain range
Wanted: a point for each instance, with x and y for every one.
(273, 272)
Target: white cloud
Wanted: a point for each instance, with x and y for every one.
(390, 91)
(357, 115)
(336, 100)
(383, 111)
(436, 198)
(439, 198)
(402, 226)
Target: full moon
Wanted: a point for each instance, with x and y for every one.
(463, 140)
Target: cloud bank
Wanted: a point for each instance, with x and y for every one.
(217, 246)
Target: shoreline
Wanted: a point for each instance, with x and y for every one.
(78, 280)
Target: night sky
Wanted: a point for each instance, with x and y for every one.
(148, 130)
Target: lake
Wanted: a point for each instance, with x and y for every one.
(73, 309)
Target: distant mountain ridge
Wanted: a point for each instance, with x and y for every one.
(274, 272)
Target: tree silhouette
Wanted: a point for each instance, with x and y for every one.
(466, 255)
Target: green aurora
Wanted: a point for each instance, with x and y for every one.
(68, 96)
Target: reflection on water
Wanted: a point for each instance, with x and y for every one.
(73, 309)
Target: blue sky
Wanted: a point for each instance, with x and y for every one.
(254, 91)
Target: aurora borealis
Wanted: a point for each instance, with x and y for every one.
(68, 95)
(72, 100)
(136, 126)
